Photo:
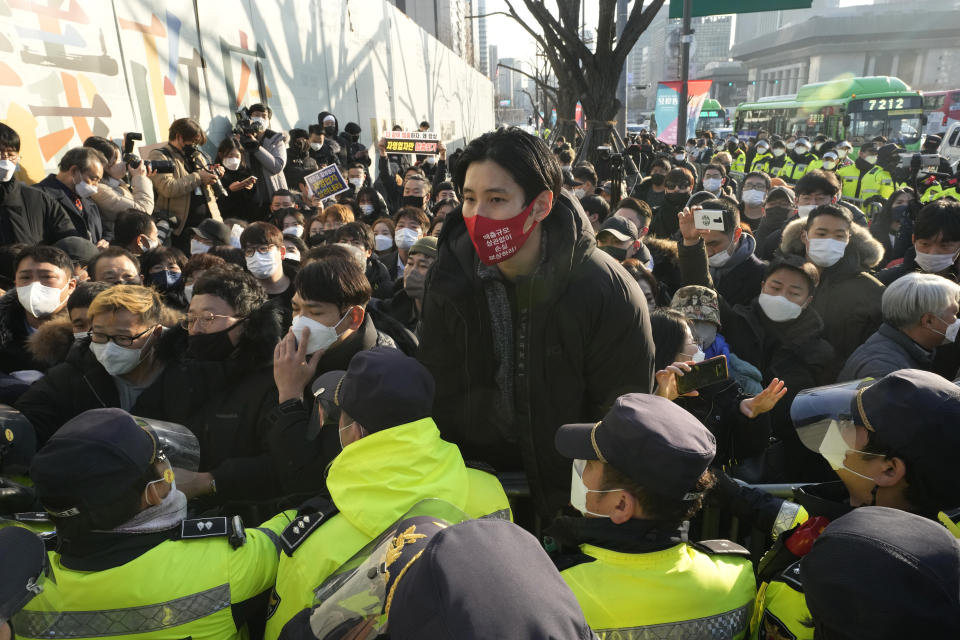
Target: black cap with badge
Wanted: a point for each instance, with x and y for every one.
(381, 388)
(649, 439)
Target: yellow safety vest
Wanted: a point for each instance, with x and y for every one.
(850, 179)
(761, 162)
(178, 589)
(793, 170)
(739, 161)
(680, 592)
(877, 182)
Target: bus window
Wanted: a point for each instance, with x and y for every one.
(904, 129)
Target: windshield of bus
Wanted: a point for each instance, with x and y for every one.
(898, 119)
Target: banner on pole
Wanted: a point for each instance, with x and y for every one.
(668, 107)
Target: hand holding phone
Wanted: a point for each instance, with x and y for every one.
(703, 374)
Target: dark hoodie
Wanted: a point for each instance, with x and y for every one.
(581, 332)
(14, 355)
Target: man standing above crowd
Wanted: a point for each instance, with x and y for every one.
(526, 324)
(81, 170)
(266, 155)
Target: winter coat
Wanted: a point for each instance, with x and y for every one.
(582, 335)
(241, 203)
(14, 354)
(86, 222)
(772, 231)
(119, 198)
(886, 351)
(665, 223)
(379, 277)
(80, 383)
(738, 280)
(51, 342)
(666, 266)
(173, 190)
(642, 191)
(30, 216)
(266, 161)
(793, 351)
(848, 298)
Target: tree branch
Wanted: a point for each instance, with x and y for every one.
(543, 85)
(637, 23)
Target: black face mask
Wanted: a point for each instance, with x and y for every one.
(657, 179)
(210, 346)
(412, 201)
(616, 253)
(330, 131)
(777, 212)
(677, 198)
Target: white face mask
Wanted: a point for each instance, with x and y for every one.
(778, 308)
(38, 299)
(754, 197)
(803, 210)
(405, 238)
(152, 244)
(263, 265)
(801, 150)
(579, 491)
(762, 150)
(779, 152)
(295, 230)
(829, 165)
(115, 359)
(321, 336)
(825, 252)
(712, 184)
(7, 169)
(842, 153)
(579, 193)
(719, 259)
(198, 247)
(261, 121)
(698, 355)
(950, 335)
(870, 159)
(791, 145)
(366, 209)
(316, 146)
(79, 335)
(357, 182)
(231, 163)
(85, 189)
(680, 157)
(382, 242)
(935, 262)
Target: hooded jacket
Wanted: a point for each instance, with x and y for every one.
(739, 279)
(30, 216)
(581, 330)
(80, 383)
(266, 162)
(51, 342)
(848, 298)
(373, 482)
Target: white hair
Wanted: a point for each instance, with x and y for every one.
(910, 297)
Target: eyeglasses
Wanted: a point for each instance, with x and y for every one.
(204, 319)
(264, 248)
(673, 185)
(121, 341)
(9, 154)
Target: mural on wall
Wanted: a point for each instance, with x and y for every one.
(70, 69)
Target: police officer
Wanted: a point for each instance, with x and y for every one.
(879, 182)
(797, 162)
(762, 157)
(23, 557)
(852, 175)
(778, 150)
(128, 564)
(637, 476)
(883, 574)
(892, 443)
(843, 152)
(739, 163)
(392, 458)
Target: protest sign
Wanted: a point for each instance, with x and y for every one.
(326, 182)
(423, 142)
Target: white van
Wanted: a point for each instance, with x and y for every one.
(950, 146)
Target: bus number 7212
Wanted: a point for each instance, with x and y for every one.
(884, 103)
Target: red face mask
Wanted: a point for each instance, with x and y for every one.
(497, 240)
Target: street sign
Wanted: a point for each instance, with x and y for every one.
(721, 7)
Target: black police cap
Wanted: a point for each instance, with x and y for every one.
(381, 388)
(23, 557)
(649, 439)
(883, 573)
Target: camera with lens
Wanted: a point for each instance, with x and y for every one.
(613, 160)
(133, 160)
(197, 161)
(245, 125)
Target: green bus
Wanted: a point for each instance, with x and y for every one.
(712, 116)
(852, 109)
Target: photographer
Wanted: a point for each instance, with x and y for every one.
(185, 194)
(264, 153)
(114, 194)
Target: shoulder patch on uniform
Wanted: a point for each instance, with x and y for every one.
(203, 528)
(721, 548)
(791, 577)
(300, 529)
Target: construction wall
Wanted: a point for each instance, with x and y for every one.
(74, 68)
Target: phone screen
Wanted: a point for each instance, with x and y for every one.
(703, 375)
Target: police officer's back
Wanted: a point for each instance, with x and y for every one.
(127, 564)
(392, 458)
(637, 476)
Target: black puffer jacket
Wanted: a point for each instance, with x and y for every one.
(81, 383)
(14, 355)
(581, 332)
(30, 216)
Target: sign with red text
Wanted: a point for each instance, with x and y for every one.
(422, 142)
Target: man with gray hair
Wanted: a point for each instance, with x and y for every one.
(80, 172)
(919, 314)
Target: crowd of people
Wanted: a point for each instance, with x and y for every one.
(235, 408)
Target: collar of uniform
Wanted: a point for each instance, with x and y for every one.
(105, 550)
(829, 499)
(633, 536)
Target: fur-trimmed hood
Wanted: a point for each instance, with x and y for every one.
(863, 251)
(51, 342)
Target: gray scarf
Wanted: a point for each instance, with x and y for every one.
(159, 517)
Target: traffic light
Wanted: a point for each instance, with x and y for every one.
(729, 84)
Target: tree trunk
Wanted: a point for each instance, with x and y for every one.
(566, 116)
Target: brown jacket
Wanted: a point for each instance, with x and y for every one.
(173, 189)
